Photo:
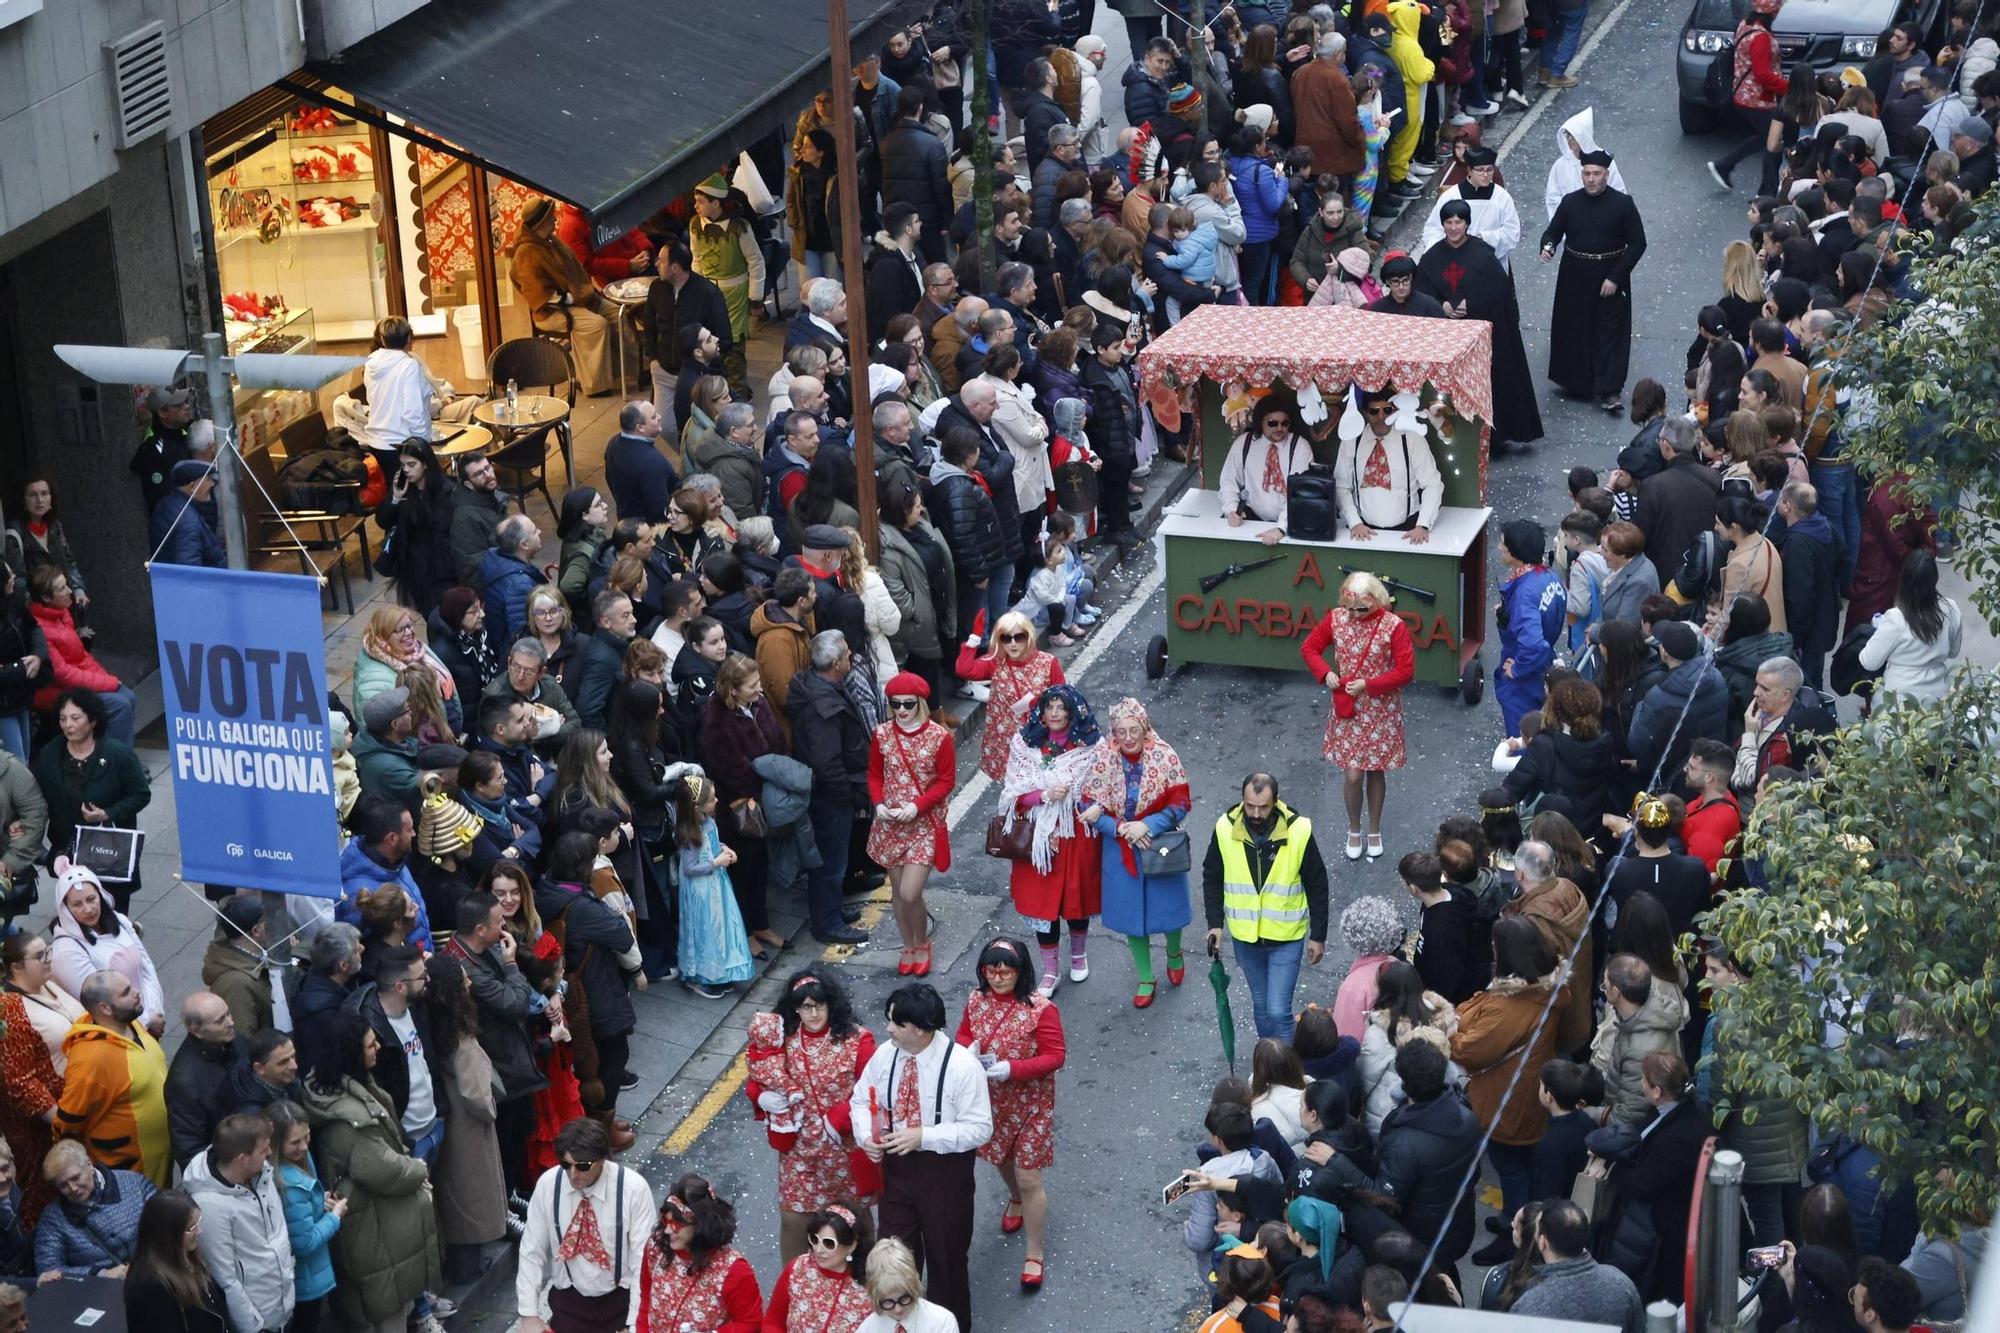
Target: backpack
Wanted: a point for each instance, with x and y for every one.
(1718, 83)
(1312, 505)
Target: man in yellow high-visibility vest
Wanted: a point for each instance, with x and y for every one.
(1264, 881)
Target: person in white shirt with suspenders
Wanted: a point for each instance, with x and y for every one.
(588, 1222)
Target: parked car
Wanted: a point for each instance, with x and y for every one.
(1829, 33)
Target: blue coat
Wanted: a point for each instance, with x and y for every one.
(1653, 721)
(1533, 606)
(182, 536)
(504, 583)
(1261, 192)
(311, 1227)
(358, 871)
(1136, 904)
(641, 478)
(78, 1248)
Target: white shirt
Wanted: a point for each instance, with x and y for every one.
(1910, 667)
(1242, 480)
(538, 1268)
(1495, 221)
(965, 1120)
(420, 1112)
(669, 641)
(399, 398)
(923, 1317)
(1413, 493)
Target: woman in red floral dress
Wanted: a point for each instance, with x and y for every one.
(1373, 659)
(804, 1059)
(1018, 1036)
(30, 1087)
(1017, 673)
(821, 1291)
(912, 764)
(1048, 762)
(692, 1277)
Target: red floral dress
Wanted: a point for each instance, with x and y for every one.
(813, 1172)
(1012, 682)
(808, 1299)
(911, 768)
(1378, 649)
(1029, 1037)
(721, 1298)
(29, 1086)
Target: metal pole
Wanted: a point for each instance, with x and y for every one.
(228, 467)
(1725, 1239)
(850, 266)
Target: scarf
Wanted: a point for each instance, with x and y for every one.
(1031, 768)
(478, 650)
(383, 651)
(1163, 779)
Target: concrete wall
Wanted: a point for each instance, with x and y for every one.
(334, 25)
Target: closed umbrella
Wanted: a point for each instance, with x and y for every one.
(1225, 1019)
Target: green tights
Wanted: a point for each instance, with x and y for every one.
(1142, 954)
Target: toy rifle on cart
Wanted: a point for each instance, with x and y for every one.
(1210, 582)
(1395, 585)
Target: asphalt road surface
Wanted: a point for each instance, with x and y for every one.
(1130, 1100)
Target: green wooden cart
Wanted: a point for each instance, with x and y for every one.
(1232, 599)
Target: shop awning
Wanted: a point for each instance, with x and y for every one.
(616, 106)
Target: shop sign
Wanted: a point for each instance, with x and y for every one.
(243, 674)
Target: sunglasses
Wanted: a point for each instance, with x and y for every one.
(903, 705)
(1276, 421)
(680, 1212)
(583, 1165)
(827, 1242)
(1378, 410)
(902, 1302)
(1012, 636)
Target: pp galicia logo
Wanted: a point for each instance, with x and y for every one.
(233, 848)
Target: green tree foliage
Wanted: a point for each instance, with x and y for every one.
(1925, 379)
(1881, 922)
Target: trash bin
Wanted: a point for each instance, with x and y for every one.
(471, 343)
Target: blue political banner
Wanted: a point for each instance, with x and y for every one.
(243, 672)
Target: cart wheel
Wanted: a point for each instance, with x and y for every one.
(1156, 657)
(1472, 682)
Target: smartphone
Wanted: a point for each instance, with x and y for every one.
(1762, 1257)
(1175, 1188)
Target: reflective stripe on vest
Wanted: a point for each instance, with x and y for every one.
(1277, 913)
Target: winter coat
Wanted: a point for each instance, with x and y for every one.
(504, 581)
(113, 780)
(1114, 412)
(830, 737)
(1812, 591)
(20, 637)
(1626, 590)
(242, 980)
(1424, 1150)
(1676, 506)
(418, 530)
(244, 1243)
(1621, 1044)
(1452, 952)
(152, 1307)
(83, 1240)
(1653, 722)
(1584, 774)
(310, 1227)
(199, 1082)
(359, 870)
(1561, 913)
(969, 522)
(1261, 192)
(389, 768)
(907, 580)
(74, 954)
(1653, 1183)
(386, 1251)
(1315, 249)
(784, 649)
(474, 516)
(1227, 220)
(739, 470)
(1365, 52)
(1328, 122)
(1018, 30)
(1146, 98)
(915, 171)
(1769, 1131)
(1492, 1026)
(1739, 659)
(392, 1066)
(1384, 1087)
(21, 802)
(882, 617)
(69, 665)
(1039, 114)
(600, 667)
(594, 938)
(504, 999)
(471, 1191)
(181, 536)
(996, 469)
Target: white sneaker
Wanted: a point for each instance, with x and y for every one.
(976, 690)
(1487, 108)
(1422, 172)
(1462, 119)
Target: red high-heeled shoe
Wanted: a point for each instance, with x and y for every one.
(1031, 1281)
(920, 960)
(1142, 998)
(1176, 972)
(1011, 1221)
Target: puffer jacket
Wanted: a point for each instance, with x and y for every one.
(967, 518)
(1040, 113)
(311, 1229)
(915, 171)
(1584, 774)
(909, 584)
(69, 662)
(386, 1250)
(504, 582)
(1424, 1149)
(1146, 97)
(245, 1243)
(20, 637)
(1492, 1026)
(1114, 412)
(1261, 193)
(739, 470)
(1653, 720)
(996, 469)
(82, 1240)
(1768, 1131)
(1621, 1044)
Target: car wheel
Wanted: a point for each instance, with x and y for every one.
(1156, 657)
(1697, 117)
(1472, 683)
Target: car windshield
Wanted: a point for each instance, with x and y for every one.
(1720, 15)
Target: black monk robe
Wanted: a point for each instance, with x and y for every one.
(1468, 278)
(1590, 335)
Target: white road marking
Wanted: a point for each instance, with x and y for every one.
(974, 792)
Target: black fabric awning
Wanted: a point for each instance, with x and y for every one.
(616, 106)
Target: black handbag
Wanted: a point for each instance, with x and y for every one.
(1010, 844)
(1169, 854)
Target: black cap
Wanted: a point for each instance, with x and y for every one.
(1525, 540)
(1678, 638)
(1479, 155)
(1596, 157)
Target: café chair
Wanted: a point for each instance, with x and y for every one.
(539, 365)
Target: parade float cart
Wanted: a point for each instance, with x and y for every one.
(1230, 598)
